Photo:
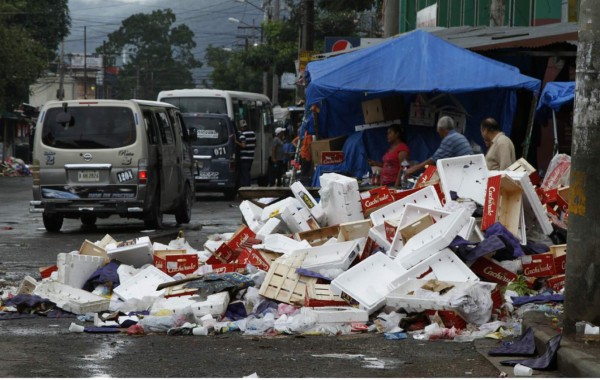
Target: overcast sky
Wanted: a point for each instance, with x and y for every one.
(208, 19)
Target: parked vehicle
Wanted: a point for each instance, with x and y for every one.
(215, 159)
(255, 109)
(97, 158)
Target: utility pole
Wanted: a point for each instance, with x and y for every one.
(60, 95)
(275, 78)
(497, 12)
(85, 62)
(582, 284)
(391, 13)
(308, 26)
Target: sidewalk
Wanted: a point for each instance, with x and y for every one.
(574, 358)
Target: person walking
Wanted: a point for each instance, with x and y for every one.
(247, 144)
(453, 144)
(277, 158)
(500, 149)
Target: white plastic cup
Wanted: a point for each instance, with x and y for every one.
(523, 371)
(74, 327)
(200, 331)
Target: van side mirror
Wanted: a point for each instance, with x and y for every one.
(193, 134)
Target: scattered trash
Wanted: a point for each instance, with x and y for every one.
(522, 371)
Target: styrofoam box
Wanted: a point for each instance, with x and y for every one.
(215, 305)
(332, 314)
(282, 244)
(177, 305)
(304, 197)
(425, 197)
(465, 175)
(377, 233)
(532, 203)
(274, 209)
(271, 226)
(368, 281)
(250, 211)
(144, 283)
(431, 240)
(138, 254)
(298, 220)
(347, 183)
(330, 256)
(73, 300)
(412, 212)
(75, 269)
(410, 296)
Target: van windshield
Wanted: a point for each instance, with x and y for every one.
(198, 104)
(210, 131)
(90, 128)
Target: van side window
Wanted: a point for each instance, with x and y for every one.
(164, 125)
(151, 128)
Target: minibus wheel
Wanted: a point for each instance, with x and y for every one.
(88, 220)
(154, 219)
(53, 222)
(183, 214)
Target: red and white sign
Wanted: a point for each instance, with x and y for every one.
(489, 270)
(175, 261)
(556, 283)
(374, 199)
(253, 257)
(332, 157)
(540, 265)
(430, 174)
(341, 45)
(560, 257)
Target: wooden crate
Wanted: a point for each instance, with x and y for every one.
(354, 230)
(283, 284)
(320, 235)
(319, 295)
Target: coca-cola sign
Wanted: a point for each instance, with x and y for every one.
(493, 272)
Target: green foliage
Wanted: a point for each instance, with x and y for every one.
(160, 54)
(30, 31)
(342, 6)
(230, 71)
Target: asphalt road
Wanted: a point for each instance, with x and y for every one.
(43, 347)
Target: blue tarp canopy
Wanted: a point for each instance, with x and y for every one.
(413, 63)
(554, 95)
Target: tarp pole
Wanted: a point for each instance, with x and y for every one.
(555, 150)
(527, 142)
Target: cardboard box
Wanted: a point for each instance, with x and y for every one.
(383, 109)
(409, 230)
(255, 258)
(375, 199)
(223, 255)
(539, 265)
(331, 157)
(503, 203)
(390, 228)
(429, 177)
(229, 268)
(318, 236)
(326, 145)
(175, 261)
(45, 272)
(559, 252)
(489, 270)
(556, 283)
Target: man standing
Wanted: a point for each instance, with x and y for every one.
(277, 158)
(247, 144)
(501, 151)
(453, 145)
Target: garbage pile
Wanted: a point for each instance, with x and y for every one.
(459, 257)
(14, 167)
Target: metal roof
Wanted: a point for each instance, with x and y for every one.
(483, 38)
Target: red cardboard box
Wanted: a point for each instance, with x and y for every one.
(428, 177)
(368, 249)
(540, 265)
(375, 199)
(332, 157)
(390, 226)
(449, 317)
(503, 203)
(559, 252)
(556, 283)
(175, 261)
(45, 272)
(229, 268)
(252, 256)
(223, 255)
(489, 270)
(242, 238)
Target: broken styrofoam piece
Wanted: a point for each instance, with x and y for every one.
(98, 322)
(273, 210)
(144, 283)
(444, 266)
(271, 226)
(308, 201)
(368, 281)
(215, 305)
(75, 269)
(532, 203)
(68, 298)
(137, 253)
(412, 212)
(281, 244)
(431, 240)
(427, 197)
(251, 214)
(465, 175)
(377, 233)
(298, 219)
(27, 286)
(176, 305)
(335, 314)
(330, 256)
(340, 198)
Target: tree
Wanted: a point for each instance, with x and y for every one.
(30, 31)
(160, 54)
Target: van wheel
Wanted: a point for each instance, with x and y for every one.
(154, 219)
(53, 222)
(88, 220)
(263, 181)
(230, 194)
(183, 215)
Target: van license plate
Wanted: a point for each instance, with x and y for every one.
(88, 176)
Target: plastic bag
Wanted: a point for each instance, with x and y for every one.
(161, 324)
(260, 326)
(475, 304)
(558, 172)
(388, 322)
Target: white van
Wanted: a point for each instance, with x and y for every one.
(97, 158)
